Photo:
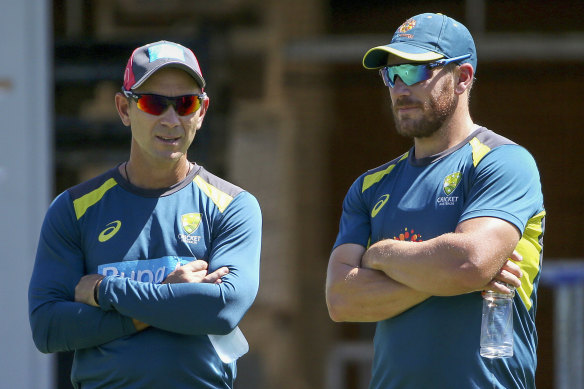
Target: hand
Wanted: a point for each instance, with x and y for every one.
(195, 272)
(85, 289)
(510, 273)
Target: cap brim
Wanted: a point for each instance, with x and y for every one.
(379, 56)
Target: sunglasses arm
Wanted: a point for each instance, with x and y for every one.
(204, 103)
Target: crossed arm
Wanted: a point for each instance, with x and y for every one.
(62, 311)
(393, 276)
(86, 290)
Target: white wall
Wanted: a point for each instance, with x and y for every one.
(25, 180)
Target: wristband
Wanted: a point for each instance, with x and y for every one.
(96, 292)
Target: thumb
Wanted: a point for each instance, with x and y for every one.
(196, 265)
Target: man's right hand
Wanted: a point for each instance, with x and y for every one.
(195, 272)
(192, 272)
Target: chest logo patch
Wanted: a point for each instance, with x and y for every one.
(382, 200)
(451, 182)
(190, 222)
(110, 231)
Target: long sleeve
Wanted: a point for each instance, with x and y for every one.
(57, 322)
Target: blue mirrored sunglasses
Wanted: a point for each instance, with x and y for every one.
(411, 74)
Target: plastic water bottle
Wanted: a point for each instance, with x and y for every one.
(231, 346)
(497, 324)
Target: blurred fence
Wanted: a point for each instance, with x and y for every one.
(566, 279)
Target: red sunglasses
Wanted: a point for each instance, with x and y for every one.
(156, 104)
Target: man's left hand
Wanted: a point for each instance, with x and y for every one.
(509, 274)
(85, 289)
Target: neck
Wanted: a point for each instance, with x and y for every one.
(452, 132)
(142, 175)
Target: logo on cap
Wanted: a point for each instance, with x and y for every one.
(166, 50)
(407, 26)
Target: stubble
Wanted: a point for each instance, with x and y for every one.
(435, 112)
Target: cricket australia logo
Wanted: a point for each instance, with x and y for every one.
(190, 223)
(451, 182)
(407, 25)
(448, 186)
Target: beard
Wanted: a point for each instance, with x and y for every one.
(435, 112)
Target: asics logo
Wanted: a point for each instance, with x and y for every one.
(382, 200)
(110, 231)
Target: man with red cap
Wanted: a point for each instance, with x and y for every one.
(146, 270)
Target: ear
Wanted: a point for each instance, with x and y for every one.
(123, 107)
(465, 75)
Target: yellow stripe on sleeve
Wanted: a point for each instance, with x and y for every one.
(530, 249)
(84, 202)
(479, 150)
(221, 199)
(374, 178)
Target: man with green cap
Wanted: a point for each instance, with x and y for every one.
(423, 235)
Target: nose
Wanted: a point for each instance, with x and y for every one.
(170, 118)
(398, 83)
(399, 88)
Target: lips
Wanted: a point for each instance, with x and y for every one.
(404, 104)
(168, 139)
(406, 108)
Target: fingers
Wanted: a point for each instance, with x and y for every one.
(196, 265)
(195, 272)
(512, 268)
(215, 277)
(508, 277)
(498, 287)
(515, 256)
(510, 274)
